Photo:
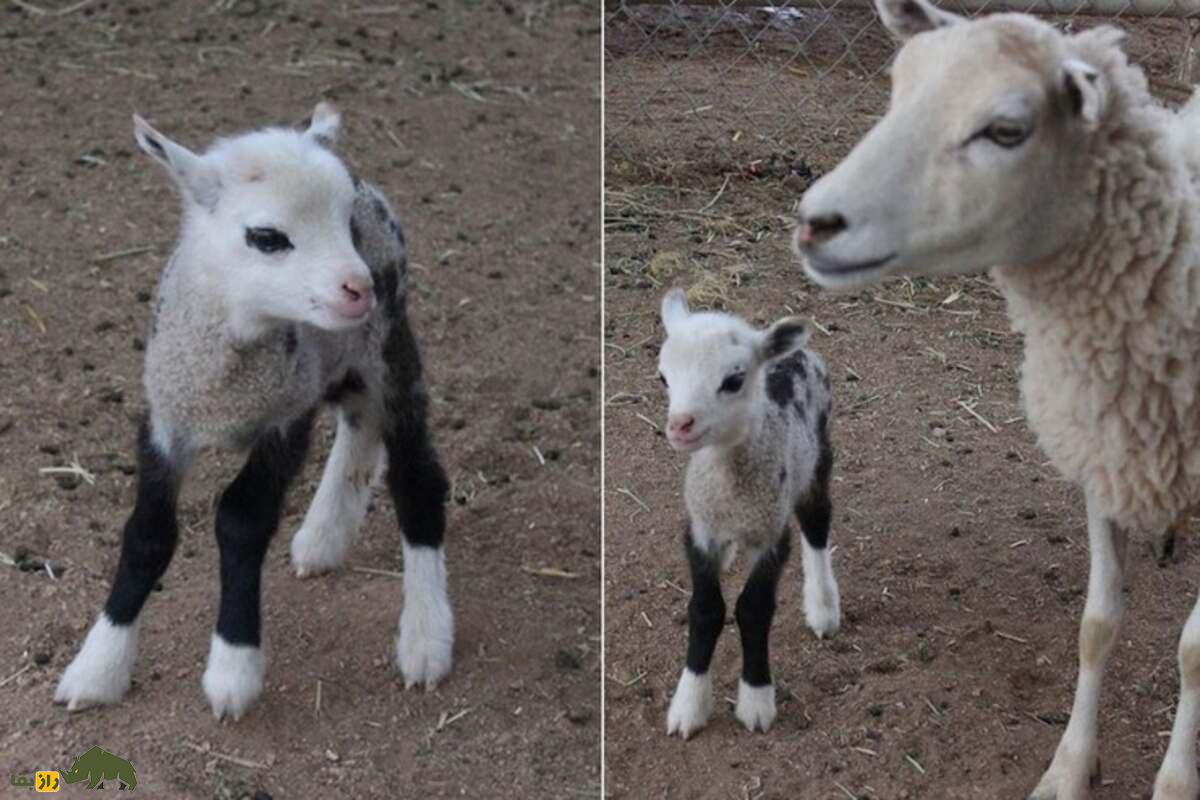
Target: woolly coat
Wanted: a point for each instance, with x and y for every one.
(1112, 322)
(745, 495)
(207, 389)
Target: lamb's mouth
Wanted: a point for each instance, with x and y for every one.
(834, 268)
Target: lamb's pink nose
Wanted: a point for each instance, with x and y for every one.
(357, 298)
(680, 424)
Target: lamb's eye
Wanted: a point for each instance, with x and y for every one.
(732, 383)
(267, 240)
(1006, 133)
(663, 378)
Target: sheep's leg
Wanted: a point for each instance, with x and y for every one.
(693, 700)
(247, 516)
(102, 670)
(1076, 762)
(1169, 544)
(419, 488)
(754, 612)
(1177, 779)
(342, 498)
(822, 603)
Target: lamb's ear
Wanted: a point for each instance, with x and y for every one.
(197, 179)
(325, 123)
(786, 335)
(907, 18)
(674, 309)
(1087, 91)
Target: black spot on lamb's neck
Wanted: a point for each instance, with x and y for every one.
(350, 383)
(781, 387)
(290, 342)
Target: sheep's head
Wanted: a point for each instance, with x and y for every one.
(267, 222)
(981, 159)
(712, 367)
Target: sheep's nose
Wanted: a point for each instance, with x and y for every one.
(356, 290)
(680, 423)
(818, 229)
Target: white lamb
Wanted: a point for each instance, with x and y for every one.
(752, 407)
(286, 289)
(1011, 145)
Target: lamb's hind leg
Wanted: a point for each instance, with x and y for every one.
(1177, 779)
(419, 489)
(102, 670)
(1076, 762)
(247, 517)
(693, 700)
(755, 611)
(342, 498)
(822, 602)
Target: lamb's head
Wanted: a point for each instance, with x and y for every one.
(267, 224)
(982, 158)
(712, 367)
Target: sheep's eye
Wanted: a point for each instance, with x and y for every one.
(267, 240)
(732, 383)
(1006, 133)
(662, 378)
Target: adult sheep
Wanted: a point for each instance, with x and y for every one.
(1013, 146)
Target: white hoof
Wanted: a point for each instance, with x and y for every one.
(233, 679)
(101, 673)
(1068, 778)
(756, 706)
(316, 550)
(1176, 786)
(822, 609)
(692, 704)
(822, 602)
(426, 642)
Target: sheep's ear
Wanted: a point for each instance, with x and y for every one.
(197, 179)
(674, 309)
(1087, 91)
(786, 335)
(325, 123)
(907, 18)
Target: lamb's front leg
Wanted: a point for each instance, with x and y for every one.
(1177, 778)
(425, 645)
(101, 672)
(1076, 763)
(755, 611)
(247, 516)
(693, 700)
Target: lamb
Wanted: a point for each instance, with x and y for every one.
(1009, 145)
(286, 288)
(752, 408)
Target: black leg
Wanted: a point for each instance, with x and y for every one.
(247, 516)
(814, 511)
(151, 532)
(756, 609)
(415, 477)
(706, 610)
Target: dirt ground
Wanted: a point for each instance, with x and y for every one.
(480, 120)
(960, 553)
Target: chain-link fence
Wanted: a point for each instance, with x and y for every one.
(744, 83)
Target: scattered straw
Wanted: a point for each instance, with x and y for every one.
(391, 573)
(549, 572)
(17, 674)
(104, 258)
(971, 410)
(241, 762)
